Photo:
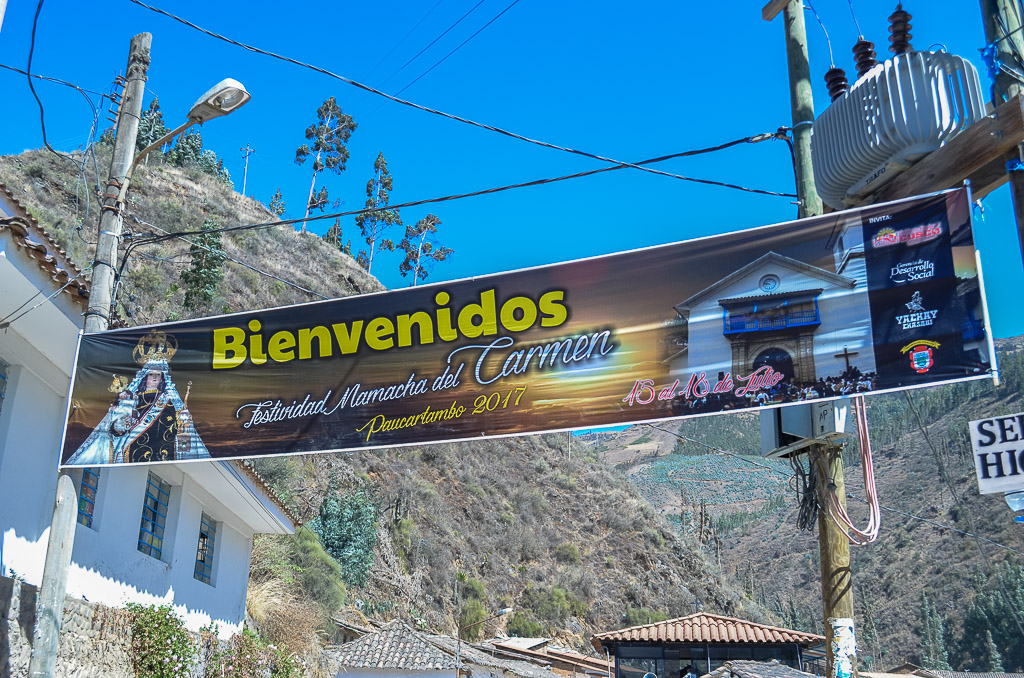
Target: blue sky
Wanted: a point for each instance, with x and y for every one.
(627, 81)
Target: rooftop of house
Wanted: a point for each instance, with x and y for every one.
(742, 668)
(704, 628)
(396, 645)
(30, 236)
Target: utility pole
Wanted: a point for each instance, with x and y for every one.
(836, 585)
(50, 601)
(1003, 31)
(97, 318)
(50, 605)
(245, 172)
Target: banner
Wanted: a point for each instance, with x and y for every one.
(865, 300)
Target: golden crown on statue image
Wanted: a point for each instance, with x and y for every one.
(155, 346)
(119, 384)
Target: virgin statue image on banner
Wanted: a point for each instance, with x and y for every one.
(149, 421)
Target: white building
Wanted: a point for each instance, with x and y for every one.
(176, 533)
(803, 320)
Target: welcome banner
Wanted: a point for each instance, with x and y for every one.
(859, 301)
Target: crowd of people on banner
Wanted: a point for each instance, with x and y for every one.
(851, 381)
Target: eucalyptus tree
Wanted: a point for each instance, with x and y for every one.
(325, 143)
(376, 222)
(422, 250)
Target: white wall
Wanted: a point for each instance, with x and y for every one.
(107, 556)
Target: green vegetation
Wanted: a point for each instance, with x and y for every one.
(640, 616)
(248, 655)
(347, 527)
(161, 647)
(567, 553)
(203, 278)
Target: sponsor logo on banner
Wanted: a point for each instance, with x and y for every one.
(911, 236)
(919, 316)
(912, 271)
(921, 354)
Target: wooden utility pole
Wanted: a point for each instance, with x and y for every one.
(1003, 31)
(836, 585)
(50, 601)
(801, 99)
(104, 267)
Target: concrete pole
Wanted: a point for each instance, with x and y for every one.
(50, 602)
(97, 318)
(802, 102)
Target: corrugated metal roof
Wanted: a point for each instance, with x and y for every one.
(704, 628)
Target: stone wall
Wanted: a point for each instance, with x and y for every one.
(94, 640)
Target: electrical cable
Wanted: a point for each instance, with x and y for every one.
(831, 59)
(806, 492)
(461, 45)
(405, 102)
(836, 510)
(434, 41)
(852, 496)
(404, 38)
(232, 259)
(856, 23)
(28, 76)
(538, 182)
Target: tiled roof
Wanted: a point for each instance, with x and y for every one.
(395, 645)
(560, 657)
(37, 243)
(972, 674)
(483, 656)
(246, 466)
(742, 668)
(704, 628)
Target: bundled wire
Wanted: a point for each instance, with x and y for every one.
(836, 511)
(806, 486)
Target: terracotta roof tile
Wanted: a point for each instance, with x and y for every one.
(27, 233)
(246, 467)
(703, 628)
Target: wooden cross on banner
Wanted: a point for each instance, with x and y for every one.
(846, 355)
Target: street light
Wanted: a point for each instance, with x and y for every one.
(458, 643)
(223, 98)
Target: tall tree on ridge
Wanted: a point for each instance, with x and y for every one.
(422, 249)
(373, 225)
(327, 138)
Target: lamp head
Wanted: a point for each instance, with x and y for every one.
(223, 98)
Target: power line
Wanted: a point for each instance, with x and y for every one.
(537, 182)
(444, 33)
(404, 102)
(461, 45)
(747, 460)
(232, 259)
(404, 38)
(28, 76)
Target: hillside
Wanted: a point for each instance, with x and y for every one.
(775, 564)
(519, 522)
